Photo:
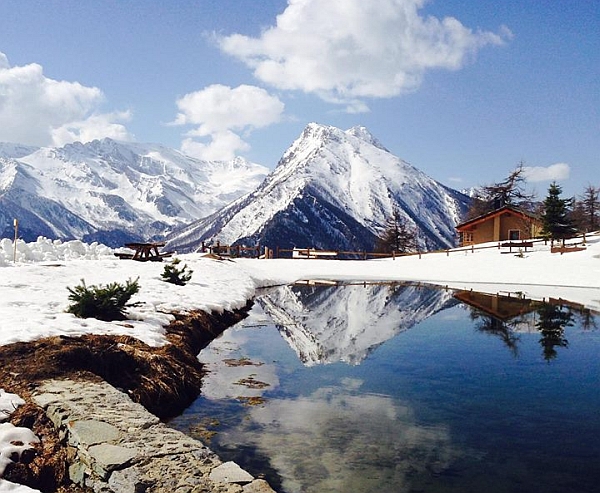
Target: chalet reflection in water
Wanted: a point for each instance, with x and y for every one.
(505, 316)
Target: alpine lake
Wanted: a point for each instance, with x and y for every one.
(405, 388)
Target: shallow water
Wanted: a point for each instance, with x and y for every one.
(405, 389)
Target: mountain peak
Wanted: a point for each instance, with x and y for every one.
(333, 189)
(363, 133)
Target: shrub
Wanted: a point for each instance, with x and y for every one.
(175, 275)
(102, 302)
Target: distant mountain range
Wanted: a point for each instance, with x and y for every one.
(333, 189)
(113, 192)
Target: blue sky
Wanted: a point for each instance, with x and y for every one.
(462, 90)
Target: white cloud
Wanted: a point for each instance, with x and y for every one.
(220, 113)
(342, 50)
(37, 110)
(557, 171)
(94, 127)
(223, 146)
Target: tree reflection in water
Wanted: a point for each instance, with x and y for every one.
(505, 316)
(551, 323)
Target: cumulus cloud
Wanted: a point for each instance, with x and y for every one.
(554, 172)
(345, 50)
(219, 114)
(37, 110)
(94, 127)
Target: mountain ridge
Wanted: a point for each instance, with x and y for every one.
(112, 191)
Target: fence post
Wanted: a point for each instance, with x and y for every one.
(393, 254)
(16, 225)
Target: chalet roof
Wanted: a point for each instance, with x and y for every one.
(494, 213)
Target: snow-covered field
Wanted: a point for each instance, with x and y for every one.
(34, 295)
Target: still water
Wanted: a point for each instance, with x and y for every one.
(405, 388)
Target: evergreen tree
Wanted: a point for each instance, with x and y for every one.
(398, 236)
(556, 220)
(175, 275)
(590, 207)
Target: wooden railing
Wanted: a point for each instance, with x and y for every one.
(314, 253)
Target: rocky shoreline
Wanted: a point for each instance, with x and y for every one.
(96, 402)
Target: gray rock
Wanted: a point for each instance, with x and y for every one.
(107, 457)
(91, 432)
(230, 472)
(258, 486)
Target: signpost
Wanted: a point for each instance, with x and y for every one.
(16, 225)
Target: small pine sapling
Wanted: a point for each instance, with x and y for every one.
(106, 303)
(176, 275)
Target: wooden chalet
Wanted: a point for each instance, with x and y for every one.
(504, 224)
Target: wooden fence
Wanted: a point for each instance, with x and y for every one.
(313, 253)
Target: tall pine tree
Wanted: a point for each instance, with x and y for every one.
(590, 205)
(398, 236)
(556, 220)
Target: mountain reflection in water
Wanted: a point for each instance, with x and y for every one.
(347, 398)
(327, 324)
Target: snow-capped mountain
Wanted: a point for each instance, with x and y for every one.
(331, 324)
(333, 189)
(113, 191)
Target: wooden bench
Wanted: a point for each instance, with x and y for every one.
(144, 252)
(517, 244)
(310, 253)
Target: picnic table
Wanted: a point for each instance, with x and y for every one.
(144, 252)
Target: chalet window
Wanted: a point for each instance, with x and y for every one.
(465, 237)
(514, 234)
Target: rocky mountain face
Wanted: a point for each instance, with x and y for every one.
(113, 192)
(329, 324)
(333, 189)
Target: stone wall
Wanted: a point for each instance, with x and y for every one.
(117, 446)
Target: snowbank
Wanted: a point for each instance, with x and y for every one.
(45, 250)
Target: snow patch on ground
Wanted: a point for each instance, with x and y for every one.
(8, 403)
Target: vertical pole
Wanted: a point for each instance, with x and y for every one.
(16, 225)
